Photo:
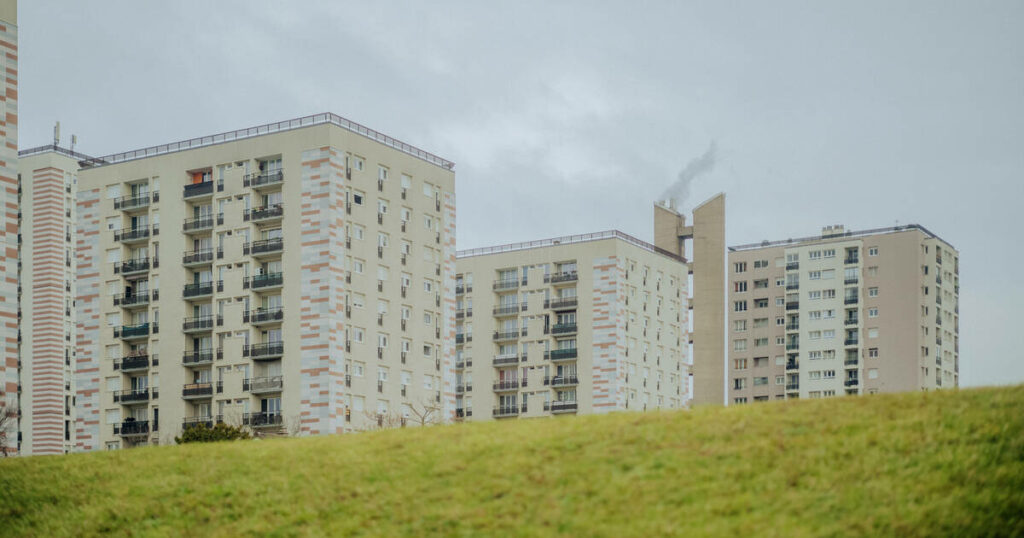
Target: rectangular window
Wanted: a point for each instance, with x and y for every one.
(739, 306)
(740, 267)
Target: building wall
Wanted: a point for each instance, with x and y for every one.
(631, 319)
(325, 268)
(885, 335)
(9, 207)
(47, 181)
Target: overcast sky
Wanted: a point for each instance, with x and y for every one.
(563, 118)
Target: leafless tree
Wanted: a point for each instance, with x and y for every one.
(426, 413)
(8, 424)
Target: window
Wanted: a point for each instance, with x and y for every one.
(814, 255)
(828, 374)
(813, 355)
(829, 253)
(873, 270)
(740, 325)
(873, 352)
(872, 292)
(872, 251)
(873, 312)
(739, 287)
(760, 342)
(740, 267)
(357, 369)
(814, 375)
(734, 400)
(761, 303)
(761, 284)
(739, 306)
(760, 381)
(873, 373)
(780, 301)
(873, 333)
(814, 335)
(828, 274)
(739, 364)
(760, 264)
(739, 345)
(739, 383)
(830, 333)
(779, 282)
(760, 323)
(780, 340)
(780, 380)
(828, 294)
(780, 320)
(814, 275)
(812, 295)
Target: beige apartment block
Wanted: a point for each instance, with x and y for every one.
(47, 179)
(295, 278)
(9, 230)
(843, 313)
(573, 325)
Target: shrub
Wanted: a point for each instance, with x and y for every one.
(202, 433)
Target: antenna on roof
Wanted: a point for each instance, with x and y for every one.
(56, 134)
(74, 140)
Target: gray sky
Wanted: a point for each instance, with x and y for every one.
(573, 117)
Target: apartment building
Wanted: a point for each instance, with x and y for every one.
(47, 178)
(572, 325)
(843, 313)
(9, 375)
(296, 278)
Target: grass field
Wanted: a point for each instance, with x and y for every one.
(947, 463)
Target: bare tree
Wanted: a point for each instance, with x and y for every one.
(426, 413)
(8, 424)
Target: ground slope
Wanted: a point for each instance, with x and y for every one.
(912, 464)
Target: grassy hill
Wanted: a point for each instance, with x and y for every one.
(949, 463)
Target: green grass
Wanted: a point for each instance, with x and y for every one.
(947, 463)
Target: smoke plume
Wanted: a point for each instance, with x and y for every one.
(679, 191)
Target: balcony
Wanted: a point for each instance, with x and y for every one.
(850, 260)
(851, 382)
(200, 290)
(792, 365)
(851, 280)
(563, 328)
(265, 281)
(462, 364)
(264, 351)
(507, 385)
(500, 336)
(850, 342)
(198, 422)
(200, 224)
(795, 305)
(132, 396)
(565, 303)
(264, 385)
(134, 235)
(850, 363)
(792, 266)
(790, 387)
(262, 420)
(506, 310)
(263, 180)
(792, 286)
(200, 357)
(509, 284)
(462, 288)
(192, 391)
(131, 203)
(504, 411)
(851, 321)
(132, 363)
(791, 346)
(561, 380)
(561, 278)
(132, 332)
(263, 316)
(506, 360)
(132, 428)
(463, 413)
(199, 257)
(128, 267)
(198, 190)
(459, 389)
(264, 214)
(561, 354)
(134, 300)
(561, 406)
(850, 300)
(263, 247)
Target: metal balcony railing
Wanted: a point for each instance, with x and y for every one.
(263, 179)
(560, 354)
(263, 315)
(193, 190)
(264, 350)
(263, 246)
(269, 212)
(197, 357)
(266, 280)
(566, 276)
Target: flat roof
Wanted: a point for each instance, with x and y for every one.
(839, 235)
(38, 150)
(265, 129)
(568, 240)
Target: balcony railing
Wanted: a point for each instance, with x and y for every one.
(197, 357)
(135, 299)
(792, 266)
(266, 350)
(132, 427)
(505, 411)
(850, 300)
(851, 321)
(792, 345)
(140, 233)
(793, 305)
(792, 365)
(201, 323)
(259, 385)
(851, 280)
(561, 380)
(505, 360)
(561, 406)
(137, 265)
(507, 385)
(197, 390)
(506, 310)
(560, 354)
(560, 304)
(792, 386)
(140, 330)
(792, 326)
(269, 212)
(199, 289)
(850, 260)
(193, 422)
(262, 420)
(507, 284)
(128, 203)
(563, 328)
(193, 190)
(263, 315)
(460, 289)
(132, 395)
(263, 179)
(566, 276)
(850, 362)
(200, 224)
(263, 246)
(196, 257)
(267, 280)
(850, 342)
(132, 362)
(851, 382)
(505, 335)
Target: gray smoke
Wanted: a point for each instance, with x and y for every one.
(679, 191)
